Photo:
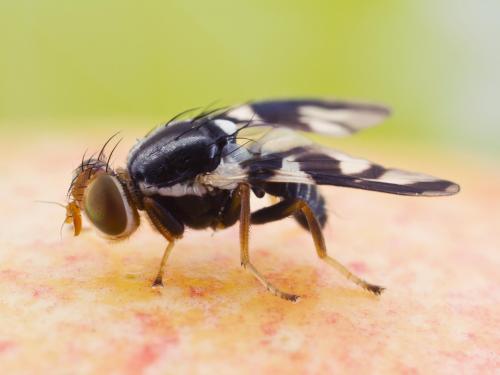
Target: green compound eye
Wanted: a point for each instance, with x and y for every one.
(104, 205)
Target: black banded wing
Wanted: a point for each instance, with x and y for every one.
(329, 117)
(280, 156)
(328, 167)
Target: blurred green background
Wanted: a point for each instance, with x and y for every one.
(71, 65)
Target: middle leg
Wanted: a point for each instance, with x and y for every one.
(244, 191)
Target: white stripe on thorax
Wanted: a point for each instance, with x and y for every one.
(177, 190)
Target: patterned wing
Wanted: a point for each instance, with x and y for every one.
(330, 117)
(282, 156)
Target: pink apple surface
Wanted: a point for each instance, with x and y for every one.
(85, 305)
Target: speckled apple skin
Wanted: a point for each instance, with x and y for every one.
(85, 306)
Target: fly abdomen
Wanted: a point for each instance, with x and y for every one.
(311, 195)
(304, 192)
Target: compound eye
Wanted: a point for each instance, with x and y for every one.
(105, 205)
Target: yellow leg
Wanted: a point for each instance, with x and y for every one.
(319, 243)
(159, 277)
(244, 192)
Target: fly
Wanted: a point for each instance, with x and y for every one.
(200, 173)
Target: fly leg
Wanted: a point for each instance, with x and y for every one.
(288, 207)
(244, 192)
(169, 227)
(319, 243)
(159, 277)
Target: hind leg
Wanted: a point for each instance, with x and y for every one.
(277, 211)
(319, 243)
(288, 207)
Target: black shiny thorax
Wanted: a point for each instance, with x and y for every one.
(177, 153)
(163, 167)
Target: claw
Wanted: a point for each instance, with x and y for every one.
(158, 283)
(375, 289)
